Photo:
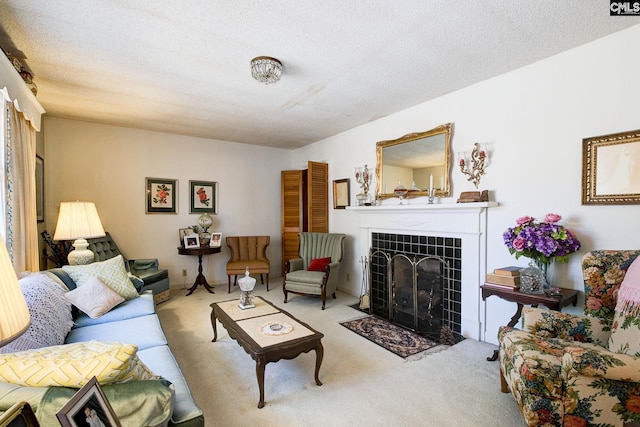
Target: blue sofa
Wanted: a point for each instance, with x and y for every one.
(133, 322)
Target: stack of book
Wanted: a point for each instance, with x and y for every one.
(505, 276)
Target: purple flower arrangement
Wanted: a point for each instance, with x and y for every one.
(542, 241)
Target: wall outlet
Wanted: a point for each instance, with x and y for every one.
(184, 272)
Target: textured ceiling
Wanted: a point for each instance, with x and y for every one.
(183, 66)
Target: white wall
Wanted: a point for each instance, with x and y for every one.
(533, 121)
(108, 165)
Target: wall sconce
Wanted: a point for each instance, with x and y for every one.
(475, 167)
(363, 178)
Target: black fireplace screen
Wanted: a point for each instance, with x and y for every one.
(415, 282)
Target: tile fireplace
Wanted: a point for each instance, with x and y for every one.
(415, 282)
(440, 247)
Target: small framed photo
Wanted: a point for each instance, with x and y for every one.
(610, 169)
(162, 195)
(216, 240)
(19, 415)
(341, 193)
(184, 232)
(191, 241)
(203, 197)
(89, 406)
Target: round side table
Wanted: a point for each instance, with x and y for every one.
(200, 279)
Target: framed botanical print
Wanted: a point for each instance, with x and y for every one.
(162, 195)
(611, 169)
(203, 197)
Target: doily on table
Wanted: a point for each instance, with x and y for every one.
(276, 328)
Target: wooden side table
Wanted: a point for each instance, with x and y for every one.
(553, 302)
(200, 279)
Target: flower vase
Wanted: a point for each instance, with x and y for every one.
(533, 279)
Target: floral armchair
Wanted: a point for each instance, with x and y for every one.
(569, 370)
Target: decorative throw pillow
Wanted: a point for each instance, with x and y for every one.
(73, 365)
(94, 298)
(112, 272)
(138, 283)
(625, 330)
(50, 314)
(319, 264)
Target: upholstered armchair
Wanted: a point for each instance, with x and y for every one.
(579, 370)
(247, 251)
(316, 271)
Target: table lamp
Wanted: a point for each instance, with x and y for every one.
(14, 314)
(78, 221)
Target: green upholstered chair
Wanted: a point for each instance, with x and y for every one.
(313, 248)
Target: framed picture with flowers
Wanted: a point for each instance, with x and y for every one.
(611, 169)
(203, 197)
(162, 195)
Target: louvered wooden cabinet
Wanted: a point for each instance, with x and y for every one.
(304, 206)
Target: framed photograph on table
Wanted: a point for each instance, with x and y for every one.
(191, 241)
(341, 193)
(40, 188)
(216, 240)
(203, 197)
(162, 195)
(183, 232)
(611, 169)
(89, 406)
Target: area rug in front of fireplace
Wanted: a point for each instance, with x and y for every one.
(397, 340)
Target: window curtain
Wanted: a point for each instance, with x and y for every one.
(20, 216)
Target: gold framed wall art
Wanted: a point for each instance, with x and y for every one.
(611, 169)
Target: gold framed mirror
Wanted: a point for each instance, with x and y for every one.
(419, 158)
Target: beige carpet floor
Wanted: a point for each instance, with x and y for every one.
(363, 384)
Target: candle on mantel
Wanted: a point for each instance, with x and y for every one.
(430, 182)
(441, 182)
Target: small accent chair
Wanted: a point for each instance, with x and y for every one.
(579, 370)
(314, 247)
(247, 251)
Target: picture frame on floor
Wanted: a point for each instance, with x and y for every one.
(88, 404)
(610, 171)
(216, 240)
(191, 241)
(162, 195)
(203, 197)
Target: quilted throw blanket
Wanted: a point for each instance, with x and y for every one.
(629, 293)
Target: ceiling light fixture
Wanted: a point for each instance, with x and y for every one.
(266, 69)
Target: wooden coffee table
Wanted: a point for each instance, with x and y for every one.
(252, 329)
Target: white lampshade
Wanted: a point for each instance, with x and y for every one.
(78, 221)
(14, 314)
